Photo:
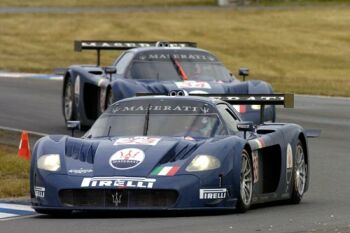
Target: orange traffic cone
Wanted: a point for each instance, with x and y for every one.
(24, 148)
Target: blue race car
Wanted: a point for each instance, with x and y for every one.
(151, 67)
(165, 153)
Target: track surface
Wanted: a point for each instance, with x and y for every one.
(36, 105)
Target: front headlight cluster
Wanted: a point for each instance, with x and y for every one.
(49, 162)
(203, 163)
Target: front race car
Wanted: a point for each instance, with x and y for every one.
(105, 170)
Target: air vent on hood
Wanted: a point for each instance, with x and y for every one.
(82, 150)
(183, 150)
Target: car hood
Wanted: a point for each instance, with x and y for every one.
(136, 156)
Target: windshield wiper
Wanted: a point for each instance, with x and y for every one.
(145, 126)
(179, 68)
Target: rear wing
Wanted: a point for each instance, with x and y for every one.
(98, 45)
(286, 100)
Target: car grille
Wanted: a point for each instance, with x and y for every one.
(121, 198)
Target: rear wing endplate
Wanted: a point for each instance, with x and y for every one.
(98, 45)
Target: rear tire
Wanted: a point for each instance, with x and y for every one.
(299, 175)
(68, 101)
(246, 183)
(109, 98)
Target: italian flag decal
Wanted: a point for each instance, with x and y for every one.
(165, 171)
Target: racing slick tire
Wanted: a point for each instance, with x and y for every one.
(69, 112)
(246, 183)
(109, 98)
(299, 178)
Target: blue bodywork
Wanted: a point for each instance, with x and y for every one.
(92, 85)
(86, 172)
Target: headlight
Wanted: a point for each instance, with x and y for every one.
(203, 163)
(256, 107)
(50, 162)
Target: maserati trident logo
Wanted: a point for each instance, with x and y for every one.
(117, 198)
(127, 158)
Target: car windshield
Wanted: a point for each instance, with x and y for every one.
(172, 65)
(158, 119)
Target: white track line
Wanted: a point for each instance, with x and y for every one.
(16, 207)
(6, 215)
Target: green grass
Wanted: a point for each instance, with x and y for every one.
(300, 50)
(104, 3)
(298, 2)
(14, 173)
(123, 3)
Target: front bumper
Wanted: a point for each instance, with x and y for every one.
(180, 192)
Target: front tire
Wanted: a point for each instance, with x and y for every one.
(299, 175)
(246, 183)
(68, 101)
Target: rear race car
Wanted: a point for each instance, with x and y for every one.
(151, 67)
(172, 153)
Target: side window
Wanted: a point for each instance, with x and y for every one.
(229, 118)
(123, 62)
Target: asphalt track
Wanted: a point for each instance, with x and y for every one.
(36, 105)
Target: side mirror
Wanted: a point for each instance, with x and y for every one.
(244, 72)
(73, 125)
(245, 126)
(110, 70)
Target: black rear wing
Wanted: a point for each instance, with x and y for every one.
(98, 45)
(286, 100)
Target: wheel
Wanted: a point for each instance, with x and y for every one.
(109, 98)
(54, 213)
(246, 183)
(299, 175)
(68, 101)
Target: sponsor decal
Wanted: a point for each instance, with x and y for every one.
(77, 85)
(137, 141)
(193, 84)
(212, 193)
(177, 56)
(39, 191)
(127, 44)
(255, 166)
(289, 156)
(80, 171)
(165, 171)
(127, 158)
(119, 182)
(161, 108)
(250, 98)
